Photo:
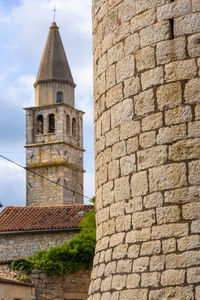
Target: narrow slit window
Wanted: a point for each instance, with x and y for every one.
(39, 124)
(74, 127)
(68, 124)
(59, 97)
(171, 23)
(51, 123)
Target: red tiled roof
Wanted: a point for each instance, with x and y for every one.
(36, 218)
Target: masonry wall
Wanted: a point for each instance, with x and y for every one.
(23, 245)
(10, 291)
(147, 149)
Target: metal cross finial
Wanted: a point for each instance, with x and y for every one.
(54, 13)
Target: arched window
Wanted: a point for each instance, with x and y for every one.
(59, 97)
(68, 124)
(39, 124)
(51, 123)
(74, 127)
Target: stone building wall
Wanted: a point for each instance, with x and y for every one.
(16, 291)
(23, 245)
(147, 149)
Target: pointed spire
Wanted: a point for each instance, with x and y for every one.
(54, 65)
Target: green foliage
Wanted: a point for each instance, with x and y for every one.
(68, 258)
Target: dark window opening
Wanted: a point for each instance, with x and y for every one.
(39, 124)
(74, 127)
(68, 124)
(59, 97)
(171, 24)
(51, 123)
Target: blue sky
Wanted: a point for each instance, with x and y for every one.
(24, 26)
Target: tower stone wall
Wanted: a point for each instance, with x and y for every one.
(147, 149)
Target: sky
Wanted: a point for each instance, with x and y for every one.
(24, 26)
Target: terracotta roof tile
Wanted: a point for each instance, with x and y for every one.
(14, 218)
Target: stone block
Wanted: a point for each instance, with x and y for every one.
(102, 215)
(110, 268)
(191, 211)
(110, 22)
(174, 10)
(194, 45)
(195, 226)
(155, 33)
(171, 50)
(153, 77)
(127, 165)
(137, 236)
(187, 24)
(169, 245)
(117, 239)
(126, 10)
(113, 169)
(145, 58)
(193, 275)
(133, 251)
(133, 281)
(192, 91)
(168, 214)
(157, 263)
(139, 184)
(144, 103)
(152, 157)
(175, 293)
(119, 150)
(167, 177)
(184, 260)
(145, 19)
(178, 115)
(172, 277)
(186, 149)
(124, 266)
(108, 193)
(133, 205)
(102, 64)
(108, 227)
(132, 43)
(117, 209)
(125, 68)
(150, 248)
(123, 223)
(197, 112)
(180, 70)
(106, 285)
(150, 279)
(147, 139)
(134, 294)
(131, 86)
(142, 5)
(169, 230)
(114, 95)
(121, 112)
(121, 32)
(196, 5)
(118, 282)
(143, 219)
(132, 145)
(129, 129)
(140, 264)
(151, 122)
(120, 251)
(169, 95)
(115, 53)
(153, 200)
(110, 77)
(170, 134)
(189, 242)
(193, 129)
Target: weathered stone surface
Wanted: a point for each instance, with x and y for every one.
(178, 115)
(152, 157)
(173, 277)
(180, 70)
(193, 129)
(157, 263)
(153, 77)
(133, 205)
(145, 58)
(113, 169)
(179, 293)
(169, 95)
(133, 251)
(151, 122)
(147, 139)
(139, 184)
(118, 282)
(149, 248)
(115, 53)
(153, 200)
(193, 45)
(144, 103)
(140, 21)
(132, 145)
(189, 242)
(129, 129)
(132, 44)
(184, 195)
(168, 51)
(174, 10)
(167, 214)
(142, 5)
(134, 294)
(196, 5)
(119, 150)
(120, 251)
(143, 219)
(192, 91)
(123, 223)
(169, 230)
(167, 177)
(127, 165)
(169, 245)
(187, 24)
(114, 95)
(122, 189)
(140, 264)
(150, 279)
(193, 275)
(121, 112)
(133, 281)
(125, 68)
(126, 10)
(187, 149)
(131, 86)
(137, 236)
(191, 211)
(171, 134)
(155, 33)
(186, 259)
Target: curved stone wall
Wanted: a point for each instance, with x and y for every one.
(147, 149)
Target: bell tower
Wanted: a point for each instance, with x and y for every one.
(54, 132)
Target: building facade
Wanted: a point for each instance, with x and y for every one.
(54, 132)
(147, 149)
